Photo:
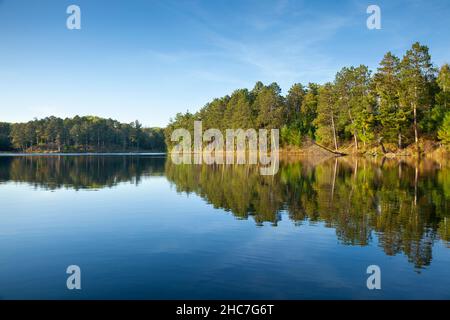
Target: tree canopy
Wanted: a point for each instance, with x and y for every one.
(404, 100)
(80, 134)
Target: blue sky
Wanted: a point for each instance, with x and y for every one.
(148, 60)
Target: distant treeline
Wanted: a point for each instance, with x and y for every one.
(82, 134)
(406, 100)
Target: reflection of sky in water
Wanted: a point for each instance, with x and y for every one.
(148, 241)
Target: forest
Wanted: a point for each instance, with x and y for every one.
(404, 104)
(79, 134)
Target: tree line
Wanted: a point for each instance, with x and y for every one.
(403, 103)
(84, 134)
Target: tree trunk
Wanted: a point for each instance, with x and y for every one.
(416, 135)
(329, 150)
(334, 133)
(354, 133)
(356, 141)
(382, 146)
(445, 97)
(364, 141)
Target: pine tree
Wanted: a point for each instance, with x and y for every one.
(239, 113)
(391, 117)
(294, 101)
(416, 75)
(269, 105)
(353, 89)
(327, 112)
(309, 110)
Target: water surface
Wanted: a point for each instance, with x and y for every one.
(141, 227)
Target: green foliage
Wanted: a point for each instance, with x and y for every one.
(290, 136)
(352, 87)
(301, 109)
(239, 110)
(84, 134)
(405, 99)
(327, 116)
(183, 121)
(391, 116)
(262, 107)
(294, 102)
(401, 101)
(444, 131)
(5, 131)
(308, 111)
(270, 107)
(417, 75)
(442, 105)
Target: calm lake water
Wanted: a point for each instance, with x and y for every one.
(141, 227)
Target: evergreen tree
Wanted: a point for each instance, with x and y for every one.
(391, 117)
(327, 113)
(353, 90)
(82, 134)
(239, 113)
(5, 131)
(416, 75)
(294, 101)
(309, 111)
(269, 105)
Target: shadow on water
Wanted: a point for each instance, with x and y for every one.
(402, 204)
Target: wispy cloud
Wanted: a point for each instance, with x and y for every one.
(278, 41)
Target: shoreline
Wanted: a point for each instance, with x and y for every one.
(58, 154)
(283, 152)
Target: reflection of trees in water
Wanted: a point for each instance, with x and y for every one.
(239, 189)
(405, 204)
(78, 172)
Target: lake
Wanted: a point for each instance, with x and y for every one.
(140, 227)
